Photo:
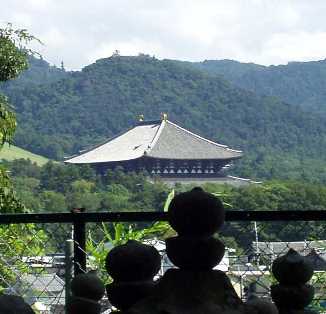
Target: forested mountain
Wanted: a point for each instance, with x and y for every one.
(300, 83)
(39, 72)
(60, 116)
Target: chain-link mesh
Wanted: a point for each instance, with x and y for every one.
(33, 263)
(253, 246)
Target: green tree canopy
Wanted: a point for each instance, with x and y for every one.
(13, 60)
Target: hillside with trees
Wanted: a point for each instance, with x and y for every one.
(61, 116)
(299, 83)
(12, 152)
(38, 72)
(54, 187)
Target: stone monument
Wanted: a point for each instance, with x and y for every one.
(194, 287)
(293, 294)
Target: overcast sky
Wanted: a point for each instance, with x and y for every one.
(261, 31)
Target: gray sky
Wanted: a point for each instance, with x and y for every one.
(261, 31)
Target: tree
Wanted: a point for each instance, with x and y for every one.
(15, 240)
(53, 202)
(13, 60)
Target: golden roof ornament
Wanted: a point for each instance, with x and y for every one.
(164, 116)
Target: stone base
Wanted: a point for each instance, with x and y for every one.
(124, 295)
(189, 292)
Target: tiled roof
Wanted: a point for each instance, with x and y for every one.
(280, 248)
(126, 146)
(48, 289)
(174, 142)
(156, 139)
(44, 282)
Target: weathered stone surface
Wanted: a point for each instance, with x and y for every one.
(87, 290)
(88, 286)
(81, 305)
(124, 295)
(292, 297)
(196, 253)
(262, 306)
(187, 292)
(196, 213)
(133, 261)
(292, 268)
(11, 304)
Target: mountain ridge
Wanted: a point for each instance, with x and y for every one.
(83, 108)
(299, 83)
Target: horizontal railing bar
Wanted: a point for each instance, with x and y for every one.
(82, 217)
(234, 215)
(286, 215)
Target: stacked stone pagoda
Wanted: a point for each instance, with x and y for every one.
(194, 287)
(163, 149)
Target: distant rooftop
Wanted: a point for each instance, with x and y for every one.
(278, 248)
(160, 139)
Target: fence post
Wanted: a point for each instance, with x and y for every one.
(69, 255)
(79, 236)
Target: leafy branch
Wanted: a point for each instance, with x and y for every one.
(14, 51)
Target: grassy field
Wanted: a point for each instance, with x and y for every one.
(13, 152)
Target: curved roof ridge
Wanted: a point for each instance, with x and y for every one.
(204, 139)
(145, 122)
(156, 137)
(86, 150)
(126, 139)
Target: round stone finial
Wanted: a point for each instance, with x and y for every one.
(133, 261)
(194, 253)
(87, 286)
(196, 213)
(292, 268)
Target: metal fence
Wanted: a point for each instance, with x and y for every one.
(40, 253)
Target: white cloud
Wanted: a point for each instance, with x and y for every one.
(39, 5)
(21, 18)
(262, 31)
(296, 46)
